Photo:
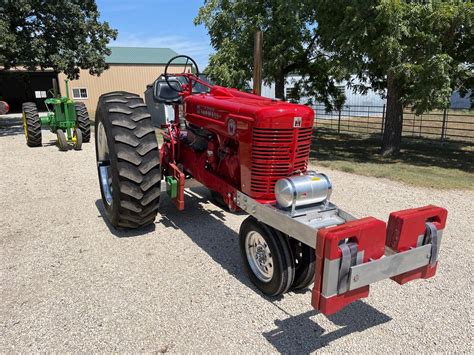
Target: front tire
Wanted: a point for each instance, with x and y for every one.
(62, 140)
(77, 139)
(128, 160)
(83, 122)
(266, 256)
(305, 263)
(31, 124)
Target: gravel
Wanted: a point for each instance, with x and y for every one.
(70, 282)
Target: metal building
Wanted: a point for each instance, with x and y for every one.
(130, 69)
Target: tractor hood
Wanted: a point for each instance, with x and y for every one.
(221, 102)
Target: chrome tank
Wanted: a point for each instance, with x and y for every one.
(303, 189)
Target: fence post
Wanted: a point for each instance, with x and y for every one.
(383, 119)
(368, 119)
(443, 128)
(339, 123)
(421, 125)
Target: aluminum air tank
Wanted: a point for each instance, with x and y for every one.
(303, 189)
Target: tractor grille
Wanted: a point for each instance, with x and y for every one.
(276, 153)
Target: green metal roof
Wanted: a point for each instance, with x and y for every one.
(140, 55)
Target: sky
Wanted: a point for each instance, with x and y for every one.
(158, 23)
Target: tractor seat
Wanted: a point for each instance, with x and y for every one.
(166, 95)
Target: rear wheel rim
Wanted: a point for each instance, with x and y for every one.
(103, 162)
(259, 256)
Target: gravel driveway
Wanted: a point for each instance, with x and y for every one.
(69, 282)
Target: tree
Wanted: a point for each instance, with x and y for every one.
(414, 53)
(289, 46)
(63, 35)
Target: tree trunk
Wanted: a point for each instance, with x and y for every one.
(392, 134)
(280, 86)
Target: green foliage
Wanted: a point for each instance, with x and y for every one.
(289, 45)
(427, 47)
(58, 34)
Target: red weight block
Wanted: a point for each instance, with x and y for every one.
(404, 227)
(369, 236)
(405, 231)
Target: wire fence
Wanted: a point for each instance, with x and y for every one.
(448, 124)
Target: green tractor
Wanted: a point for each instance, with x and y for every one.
(68, 119)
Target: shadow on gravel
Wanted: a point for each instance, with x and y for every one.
(208, 230)
(300, 334)
(13, 126)
(122, 233)
(10, 126)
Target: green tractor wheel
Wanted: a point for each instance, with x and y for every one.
(31, 124)
(83, 122)
(77, 139)
(62, 140)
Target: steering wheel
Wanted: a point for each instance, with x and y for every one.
(188, 59)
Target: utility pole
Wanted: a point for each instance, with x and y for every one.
(257, 63)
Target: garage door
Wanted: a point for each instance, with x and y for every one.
(17, 87)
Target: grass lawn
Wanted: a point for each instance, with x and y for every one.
(425, 163)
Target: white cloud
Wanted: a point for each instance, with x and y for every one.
(199, 51)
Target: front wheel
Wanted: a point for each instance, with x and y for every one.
(77, 139)
(305, 260)
(61, 140)
(266, 256)
(128, 161)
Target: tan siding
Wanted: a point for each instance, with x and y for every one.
(131, 78)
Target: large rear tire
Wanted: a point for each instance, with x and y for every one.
(31, 124)
(83, 122)
(128, 160)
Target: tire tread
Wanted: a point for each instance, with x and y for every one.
(83, 121)
(33, 124)
(137, 156)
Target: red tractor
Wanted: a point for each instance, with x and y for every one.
(252, 153)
